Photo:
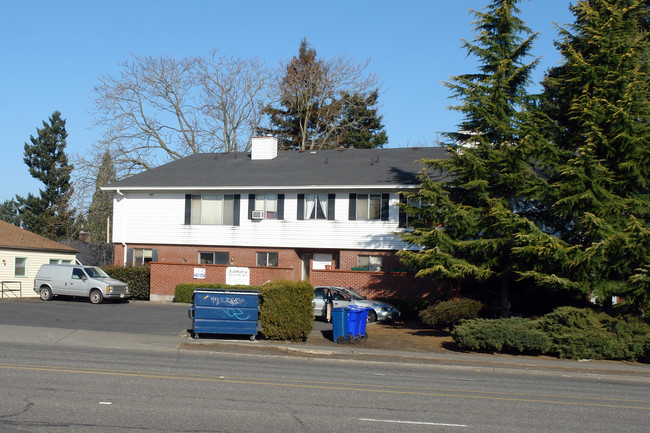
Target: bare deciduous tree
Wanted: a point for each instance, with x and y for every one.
(161, 108)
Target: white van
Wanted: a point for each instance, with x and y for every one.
(77, 280)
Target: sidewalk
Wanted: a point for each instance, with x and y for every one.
(326, 350)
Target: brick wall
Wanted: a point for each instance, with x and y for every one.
(176, 265)
(166, 276)
(380, 284)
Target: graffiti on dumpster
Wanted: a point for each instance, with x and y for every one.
(238, 314)
(230, 301)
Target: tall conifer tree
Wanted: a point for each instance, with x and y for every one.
(597, 117)
(49, 214)
(469, 227)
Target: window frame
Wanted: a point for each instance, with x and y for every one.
(355, 205)
(229, 214)
(317, 212)
(24, 267)
(267, 261)
(376, 267)
(268, 201)
(214, 256)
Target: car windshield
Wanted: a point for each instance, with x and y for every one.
(354, 293)
(96, 273)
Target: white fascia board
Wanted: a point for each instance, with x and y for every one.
(263, 188)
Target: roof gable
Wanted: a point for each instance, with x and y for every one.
(16, 238)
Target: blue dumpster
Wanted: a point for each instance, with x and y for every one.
(340, 324)
(224, 312)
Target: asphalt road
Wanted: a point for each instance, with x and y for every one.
(49, 387)
(45, 388)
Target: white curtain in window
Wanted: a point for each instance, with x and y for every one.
(211, 209)
(362, 206)
(310, 204)
(322, 206)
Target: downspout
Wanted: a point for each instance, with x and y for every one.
(123, 243)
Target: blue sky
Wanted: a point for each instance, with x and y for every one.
(53, 53)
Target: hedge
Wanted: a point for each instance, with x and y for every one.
(183, 292)
(137, 277)
(567, 332)
(286, 311)
(447, 314)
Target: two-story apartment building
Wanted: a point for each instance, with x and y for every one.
(329, 216)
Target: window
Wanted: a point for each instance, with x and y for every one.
(20, 267)
(77, 274)
(371, 263)
(316, 206)
(212, 209)
(60, 262)
(369, 207)
(406, 220)
(218, 258)
(267, 259)
(272, 205)
(141, 256)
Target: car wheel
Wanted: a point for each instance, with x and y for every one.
(46, 294)
(372, 316)
(96, 296)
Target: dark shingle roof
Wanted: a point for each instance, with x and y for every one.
(381, 167)
(15, 237)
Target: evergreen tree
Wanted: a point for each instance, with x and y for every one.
(49, 214)
(320, 101)
(596, 112)
(101, 206)
(471, 224)
(9, 212)
(361, 124)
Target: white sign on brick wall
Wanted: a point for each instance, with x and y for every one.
(199, 273)
(238, 276)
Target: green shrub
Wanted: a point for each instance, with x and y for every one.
(286, 310)
(447, 314)
(183, 292)
(581, 333)
(512, 335)
(137, 277)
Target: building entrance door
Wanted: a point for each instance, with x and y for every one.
(306, 264)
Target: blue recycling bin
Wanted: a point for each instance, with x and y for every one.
(353, 324)
(340, 324)
(357, 325)
(224, 312)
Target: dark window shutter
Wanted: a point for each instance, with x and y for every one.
(384, 206)
(301, 207)
(154, 255)
(352, 214)
(402, 214)
(235, 219)
(129, 256)
(280, 206)
(251, 205)
(331, 199)
(188, 209)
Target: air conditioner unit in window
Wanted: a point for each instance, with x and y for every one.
(258, 215)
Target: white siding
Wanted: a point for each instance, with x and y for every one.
(34, 261)
(159, 219)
